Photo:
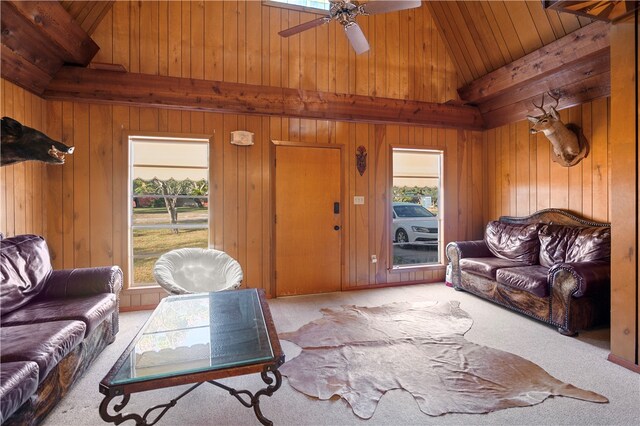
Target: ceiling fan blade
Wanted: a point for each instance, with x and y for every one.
(374, 7)
(303, 27)
(356, 37)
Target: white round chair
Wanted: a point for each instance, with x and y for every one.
(197, 270)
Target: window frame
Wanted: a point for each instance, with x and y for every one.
(128, 137)
(307, 9)
(440, 264)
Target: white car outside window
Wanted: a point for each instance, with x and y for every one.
(412, 223)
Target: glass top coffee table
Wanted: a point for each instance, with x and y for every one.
(197, 338)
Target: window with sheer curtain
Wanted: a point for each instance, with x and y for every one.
(168, 198)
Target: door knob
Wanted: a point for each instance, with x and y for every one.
(336, 228)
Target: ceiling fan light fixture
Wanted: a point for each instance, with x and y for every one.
(345, 12)
(356, 38)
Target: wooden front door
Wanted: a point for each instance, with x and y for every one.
(308, 222)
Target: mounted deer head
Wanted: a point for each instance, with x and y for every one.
(569, 145)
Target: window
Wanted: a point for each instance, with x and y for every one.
(416, 231)
(168, 199)
(314, 6)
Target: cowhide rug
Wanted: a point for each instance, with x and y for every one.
(359, 353)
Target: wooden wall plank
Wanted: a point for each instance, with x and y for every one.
(53, 198)
(134, 36)
(20, 171)
(101, 185)
(81, 189)
(522, 156)
(624, 194)
(587, 164)
(174, 38)
(539, 182)
(68, 179)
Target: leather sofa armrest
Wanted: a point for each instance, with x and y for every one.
(587, 277)
(83, 282)
(461, 249)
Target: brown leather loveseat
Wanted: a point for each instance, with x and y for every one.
(53, 324)
(552, 266)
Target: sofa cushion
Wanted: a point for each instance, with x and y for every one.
(44, 343)
(25, 265)
(532, 279)
(560, 243)
(18, 381)
(513, 242)
(486, 266)
(91, 310)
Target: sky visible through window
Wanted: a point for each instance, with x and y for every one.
(314, 4)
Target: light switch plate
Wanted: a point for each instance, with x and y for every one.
(358, 199)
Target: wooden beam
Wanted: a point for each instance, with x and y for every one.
(101, 86)
(75, 45)
(22, 72)
(542, 63)
(579, 92)
(27, 40)
(594, 66)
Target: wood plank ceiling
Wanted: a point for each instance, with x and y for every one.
(88, 14)
(508, 53)
(482, 36)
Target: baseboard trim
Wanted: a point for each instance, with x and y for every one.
(138, 308)
(624, 363)
(394, 284)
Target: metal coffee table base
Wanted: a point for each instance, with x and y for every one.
(245, 397)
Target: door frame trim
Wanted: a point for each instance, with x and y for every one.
(343, 215)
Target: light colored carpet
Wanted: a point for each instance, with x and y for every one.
(580, 361)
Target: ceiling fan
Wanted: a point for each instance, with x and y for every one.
(345, 12)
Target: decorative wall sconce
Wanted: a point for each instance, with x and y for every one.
(361, 159)
(241, 137)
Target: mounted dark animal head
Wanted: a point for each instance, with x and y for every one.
(22, 143)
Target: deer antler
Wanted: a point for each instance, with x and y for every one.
(540, 106)
(557, 99)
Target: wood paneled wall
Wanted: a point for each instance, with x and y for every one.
(520, 177)
(237, 41)
(22, 185)
(482, 36)
(502, 171)
(86, 198)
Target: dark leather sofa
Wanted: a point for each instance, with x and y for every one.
(552, 266)
(53, 324)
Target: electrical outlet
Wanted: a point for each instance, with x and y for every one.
(358, 199)
(374, 258)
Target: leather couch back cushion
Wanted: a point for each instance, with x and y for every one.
(513, 242)
(560, 243)
(25, 265)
